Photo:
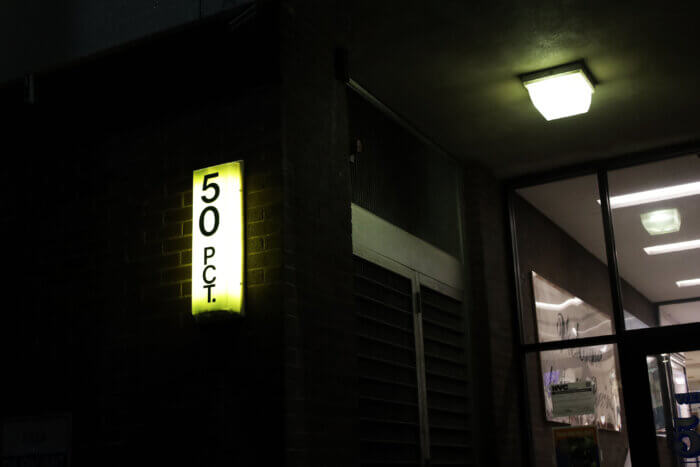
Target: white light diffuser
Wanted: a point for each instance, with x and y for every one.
(559, 95)
(672, 247)
(662, 221)
(652, 196)
(218, 239)
(688, 283)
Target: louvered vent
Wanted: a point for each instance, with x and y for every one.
(388, 405)
(446, 380)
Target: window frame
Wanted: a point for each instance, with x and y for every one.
(632, 345)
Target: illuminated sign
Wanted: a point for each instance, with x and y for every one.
(217, 239)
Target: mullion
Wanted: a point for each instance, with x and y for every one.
(571, 343)
(421, 372)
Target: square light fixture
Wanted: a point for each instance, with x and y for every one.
(561, 91)
(662, 221)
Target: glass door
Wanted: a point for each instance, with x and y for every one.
(674, 381)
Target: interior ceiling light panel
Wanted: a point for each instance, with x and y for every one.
(662, 221)
(652, 196)
(688, 282)
(672, 247)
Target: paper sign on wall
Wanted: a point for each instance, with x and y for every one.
(573, 398)
(217, 239)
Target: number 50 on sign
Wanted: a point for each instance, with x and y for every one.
(217, 239)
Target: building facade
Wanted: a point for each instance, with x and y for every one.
(383, 324)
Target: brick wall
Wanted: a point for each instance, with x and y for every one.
(495, 365)
(99, 227)
(97, 319)
(320, 371)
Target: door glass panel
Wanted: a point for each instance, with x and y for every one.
(564, 281)
(656, 218)
(674, 380)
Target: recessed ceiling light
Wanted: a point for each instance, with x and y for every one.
(662, 221)
(672, 247)
(652, 196)
(688, 282)
(561, 91)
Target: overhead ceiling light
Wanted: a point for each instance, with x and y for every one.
(662, 221)
(561, 91)
(688, 283)
(652, 196)
(672, 247)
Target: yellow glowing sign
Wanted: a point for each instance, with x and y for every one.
(217, 239)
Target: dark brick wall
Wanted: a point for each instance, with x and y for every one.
(52, 33)
(321, 374)
(490, 305)
(98, 229)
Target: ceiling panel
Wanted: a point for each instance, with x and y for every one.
(450, 67)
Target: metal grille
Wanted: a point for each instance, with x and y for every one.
(388, 405)
(401, 179)
(446, 379)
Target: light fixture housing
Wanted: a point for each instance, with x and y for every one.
(662, 221)
(561, 91)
